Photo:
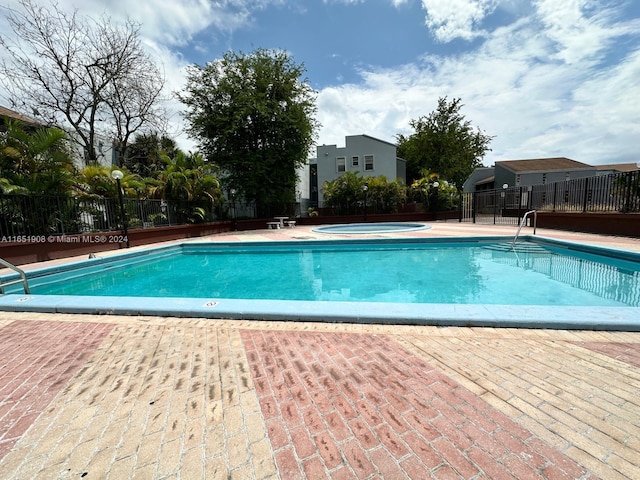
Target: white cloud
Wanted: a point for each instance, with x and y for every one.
(175, 22)
(450, 19)
(514, 87)
(579, 30)
(536, 84)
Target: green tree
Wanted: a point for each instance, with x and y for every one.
(346, 194)
(443, 142)
(384, 196)
(37, 160)
(433, 193)
(253, 117)
(145, 154)
(96, 180)
(189, 182)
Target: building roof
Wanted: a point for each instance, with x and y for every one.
(486, 180)
(543, 164)
(619, 167)
(6, 112)
(373, 138)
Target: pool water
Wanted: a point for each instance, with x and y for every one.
(451, 272)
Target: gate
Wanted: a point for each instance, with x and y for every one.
(496, 207)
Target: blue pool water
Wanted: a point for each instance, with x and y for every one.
(413, 272)
(480, 282)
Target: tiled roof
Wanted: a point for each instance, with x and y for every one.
(619, 167)
(543, 164)
(6, 112)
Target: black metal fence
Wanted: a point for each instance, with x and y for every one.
(35, 215)
(31, 215)
(607, 193)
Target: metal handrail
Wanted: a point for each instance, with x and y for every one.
(522, 222)
(22, 279)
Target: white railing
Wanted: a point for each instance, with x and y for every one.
(22, 279)
(523, 222)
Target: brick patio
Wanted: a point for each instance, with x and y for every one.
(87, 396)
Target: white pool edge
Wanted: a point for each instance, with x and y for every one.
(515, 316)
(524, 316)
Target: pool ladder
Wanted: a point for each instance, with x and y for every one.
(22, 279)
(523, 222)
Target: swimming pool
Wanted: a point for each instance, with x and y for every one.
(478, 281)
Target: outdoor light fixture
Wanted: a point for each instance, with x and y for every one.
(434, 205)
(365, 187)
(232, 192)
(117, 176)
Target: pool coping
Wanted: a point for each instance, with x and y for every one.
(476, 315)
(359, 228)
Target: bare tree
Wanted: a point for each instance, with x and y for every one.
(90, 75)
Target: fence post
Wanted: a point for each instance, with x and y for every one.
(473, 206)
(586, 193)
(520, 205)
(495, 205)
(627, 203)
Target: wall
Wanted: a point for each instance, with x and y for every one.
(60, 246)
(625, 224)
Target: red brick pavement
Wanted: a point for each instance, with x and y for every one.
(625, 352)
(36, 361)
(340, 405)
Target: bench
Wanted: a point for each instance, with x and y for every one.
(273, 225)
(290, 223)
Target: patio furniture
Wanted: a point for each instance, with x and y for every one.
(281, 220)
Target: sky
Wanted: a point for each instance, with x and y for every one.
(545, 78)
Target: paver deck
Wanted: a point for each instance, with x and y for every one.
(88, 396)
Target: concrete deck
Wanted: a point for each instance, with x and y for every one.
(85, 396)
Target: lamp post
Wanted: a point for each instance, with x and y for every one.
(232, 192)
(365, 188)
(117, 175)
(504, 196)
(436, 185)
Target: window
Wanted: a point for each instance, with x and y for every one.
(368, 162)
(355, 161)
(340, 164)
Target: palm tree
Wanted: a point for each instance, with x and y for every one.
(37, 160)
(96, 180)
(190, 182)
